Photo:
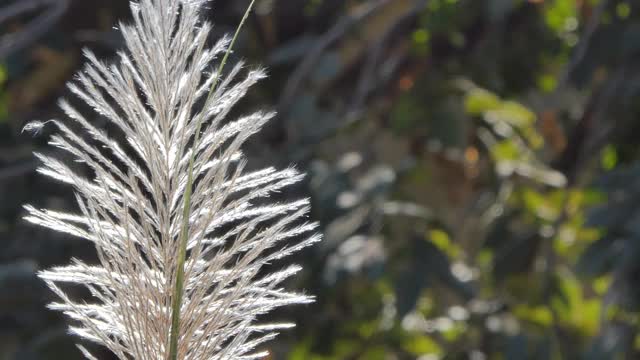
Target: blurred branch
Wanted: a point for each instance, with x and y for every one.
(367, 81)
(584, 143)
(307, 65)
(20, 40)
(568, 161)
(549, 272)
(583, 45)
(586, 139)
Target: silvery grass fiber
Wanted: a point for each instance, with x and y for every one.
(169, 105)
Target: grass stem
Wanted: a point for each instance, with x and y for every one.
(178, 291)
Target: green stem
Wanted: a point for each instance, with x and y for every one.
(178, 291)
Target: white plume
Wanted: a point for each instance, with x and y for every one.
(164, 98)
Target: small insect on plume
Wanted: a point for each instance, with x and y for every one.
(35, 127)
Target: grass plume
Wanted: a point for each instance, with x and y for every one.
(184, 235)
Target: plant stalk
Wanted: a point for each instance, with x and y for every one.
(178, 291)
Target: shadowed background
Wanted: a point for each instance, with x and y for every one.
(474, 164)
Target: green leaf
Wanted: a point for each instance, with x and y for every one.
(547, 83)
(422, 345)
(574, 309)
(4, 96)
(441, 240)
(375, 353)
(478, 101)
(609, 157)
(623, 10)
(514, 114)
(3, 74)
(539, 315)
(561, 15)
(601, 284)
(454, 332)
(540, 205)
(505, 150)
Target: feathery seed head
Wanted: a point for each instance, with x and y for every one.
(170, 111)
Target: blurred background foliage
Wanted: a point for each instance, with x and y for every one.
(474, 164)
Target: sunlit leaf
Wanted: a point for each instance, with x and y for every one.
(422, 345)
(512, 113)
(441, 239)
(539, 315)
(609, 157)
(478, 101)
